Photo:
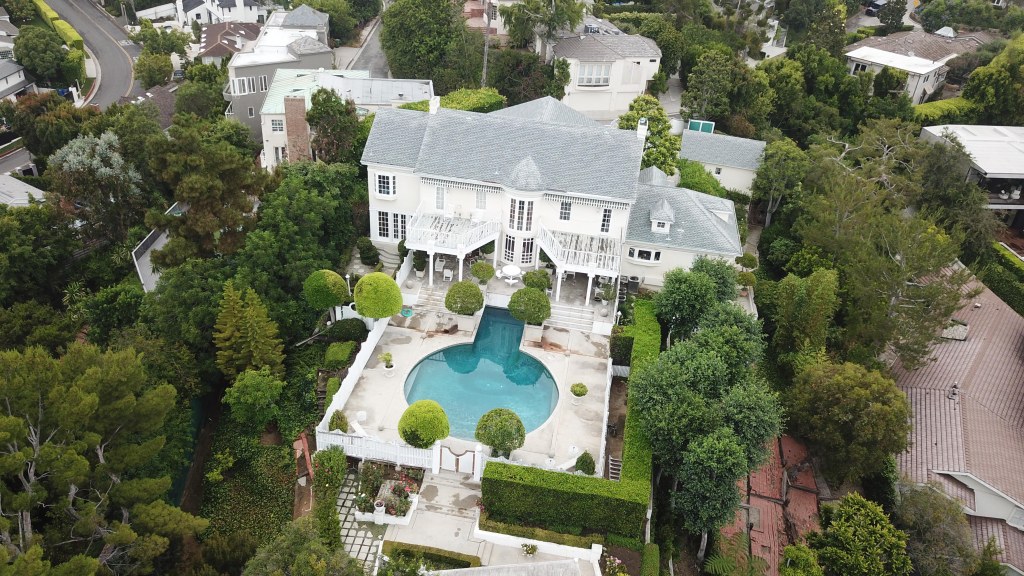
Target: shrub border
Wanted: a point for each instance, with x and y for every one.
(532, 533)
(428, 551)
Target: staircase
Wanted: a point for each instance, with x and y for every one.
(389, 259)
(432, 299)
(614, 468)
(571, 317)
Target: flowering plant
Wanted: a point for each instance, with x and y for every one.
(363, 503)
(613, 566)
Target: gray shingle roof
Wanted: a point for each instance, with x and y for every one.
(653, 175)
(8, 29)
(14, 192)
(721, 149)
(703, 223)
(526, 176)
(190, 5)
(546, 109)
(9, 68)
(606, 48)
(663, 211)
(304, 16)
(489, 148)
(307, 45)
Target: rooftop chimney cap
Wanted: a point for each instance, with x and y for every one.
(435, 104)
(641, 129)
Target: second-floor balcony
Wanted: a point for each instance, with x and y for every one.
(585, 253)
(451, 231)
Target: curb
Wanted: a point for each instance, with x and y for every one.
(13, 151)
(96, 81)
(363, 46)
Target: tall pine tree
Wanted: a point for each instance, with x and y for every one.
(226, 333)
(245, 336)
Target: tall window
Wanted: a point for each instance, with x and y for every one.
(527, 255)
(594, 74)
(520, 215)
(263, 83)
(252, 112)
(565, 212)
(398, 225)
(277, 125)
(510, 248)
(606, 220)
(383, 225)
(385, 185)
(280, 154)
(439, 198)
(481, 199)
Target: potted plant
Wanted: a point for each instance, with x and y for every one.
(482, 271)
(531, 306)
(389, 368)
(579, 390)
(529, 549)
(747, 280)
(419, 262)
(465, 299)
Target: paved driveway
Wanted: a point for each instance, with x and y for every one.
(109, 45)
(372, 57)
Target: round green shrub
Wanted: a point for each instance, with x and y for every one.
(502, 430)
(748, 260)
(579, 389)
(585, 463)
(325, 289)
(746, 279)
(464, 298)
(538, 279)
(348, 330)
(530, 305)
(377, 296)
(402, 250)
(423, 423)
(482, 271)
(340, 422)
(368, 253)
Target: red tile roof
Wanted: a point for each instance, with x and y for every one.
(1009, 539)
(219, 39)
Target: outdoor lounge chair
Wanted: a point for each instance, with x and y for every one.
(447, 274)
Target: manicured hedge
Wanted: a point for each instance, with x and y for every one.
(428, 553)
(68, 34)
(621, 348)
(646, 333)
(479, 100)
(492, 525)
(329, 468)
(957, 110)
(1005, 285)
(1009, 260)
(338, 355)
(45, 12)
(542, 497)
(650, 562)
(637, 457)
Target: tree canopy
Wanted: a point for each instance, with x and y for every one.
(661, 149)
(334, 124)
(857, 539)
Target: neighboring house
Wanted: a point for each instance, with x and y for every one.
(731, 160)
(8, 32)
(162, 97)
(537, 176)
(296, 39)
(14, 81)
(778, 503)
(922, 55)
(608, 68)
(967, 426)
(217, 11)
(219, 42)
(17, 194)
(283, 116)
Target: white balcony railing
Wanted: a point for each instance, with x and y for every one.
(452, 231)
(581, 252)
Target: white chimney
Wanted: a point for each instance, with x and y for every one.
(641, 129)
(238, 41)
(435, 104)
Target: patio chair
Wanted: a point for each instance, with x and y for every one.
(511, 280)
(447, 274)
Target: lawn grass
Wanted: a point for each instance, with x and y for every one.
(15, 144)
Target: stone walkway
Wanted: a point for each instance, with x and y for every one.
(360, 540)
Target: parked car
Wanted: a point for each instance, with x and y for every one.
(178, 75)
(875, 7)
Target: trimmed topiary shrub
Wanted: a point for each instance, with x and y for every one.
(748, 260)
(482, 271)
(585, 463)
(338, 421)
(464, 298)
(487, 248)
(530, 305)
(419, 260)
(377, 296)
(329, 468)
(402, 250)
(502, 430)
(423, 423)
(368, 253)
(620, 348)
(579, 389)
(325, 289)
(538, 279)
(436, 555)
(746, 279)
(338, 355)
(333, 384)
(650, 561)
(347, 330)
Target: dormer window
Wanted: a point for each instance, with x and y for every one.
(660, 226)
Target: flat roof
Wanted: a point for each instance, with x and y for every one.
(15, 193)
(352, 84)
(996, 151)
(911, 64)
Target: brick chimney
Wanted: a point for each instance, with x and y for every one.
(296, 129)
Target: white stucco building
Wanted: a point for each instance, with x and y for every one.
(217, 11)
(537, 176)
(731, 160)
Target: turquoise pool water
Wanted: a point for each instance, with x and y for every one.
(468, 380)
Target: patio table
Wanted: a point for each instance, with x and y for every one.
(511, 270)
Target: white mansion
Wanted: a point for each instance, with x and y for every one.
(532, 177)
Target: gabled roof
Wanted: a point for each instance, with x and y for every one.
(307, 45)
(219, 40)
(8, 29)
(721, 149)
(703, 223)
(546, 109)
(583, 160)
(162, 97)
(304, 16)
(934, 47)
(606, 48)
(526, 176)
(190, 5)
(979, 429)
(663, 211)
(9, 68)
(654, 175)
(15, 193)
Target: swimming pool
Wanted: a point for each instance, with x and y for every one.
(468, 380)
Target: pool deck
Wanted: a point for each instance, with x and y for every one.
(569, 355)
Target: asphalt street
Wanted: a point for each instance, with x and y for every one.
(372, 57)
(108, 43)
